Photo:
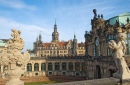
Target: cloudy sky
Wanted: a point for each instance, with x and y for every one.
(33, 16)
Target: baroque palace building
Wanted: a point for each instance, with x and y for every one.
(58, 48)
(55, 57)
(99, 61)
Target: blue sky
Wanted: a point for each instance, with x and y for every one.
(33, 16)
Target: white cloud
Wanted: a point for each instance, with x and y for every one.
(17, 4)
(29, 32)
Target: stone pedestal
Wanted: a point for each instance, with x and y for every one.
(15, 81)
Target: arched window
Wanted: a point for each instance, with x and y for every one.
(128, 44)
(109, 37)
(97, 47)
(49, 66)
(57, 66)
(29, 67)
(70, 66)
(77, 66)
(63, 66)
(43, 67)
(36, 67)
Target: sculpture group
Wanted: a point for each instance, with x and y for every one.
(13, 60)
(118, 52)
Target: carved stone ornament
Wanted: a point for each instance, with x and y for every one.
(119, 49)
(13, 59)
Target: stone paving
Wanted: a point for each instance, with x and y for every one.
(104, 81)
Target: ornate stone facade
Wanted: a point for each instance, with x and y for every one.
(66, 66)
(99, 60)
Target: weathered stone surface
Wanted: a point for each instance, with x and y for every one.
(118, 51)
(104, 81)
(12, 58)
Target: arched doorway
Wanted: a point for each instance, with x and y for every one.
(111, 71)
(98, 72)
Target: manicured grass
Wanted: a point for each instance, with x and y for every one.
(41, 83)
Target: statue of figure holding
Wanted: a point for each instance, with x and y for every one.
(119, 49)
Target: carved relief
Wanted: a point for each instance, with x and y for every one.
(13, 59)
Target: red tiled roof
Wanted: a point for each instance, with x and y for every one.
(62, 43)
(81, 44)
(46, 44)
(57, 43)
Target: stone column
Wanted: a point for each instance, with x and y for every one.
(73, 67)
(53, 66)
(67, 66)
(60, 66)
(2, 70)
(46, 66)
(80, 66)
(26, 67)
(39, 66)
(32, 67)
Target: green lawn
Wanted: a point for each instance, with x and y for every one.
(40, 83)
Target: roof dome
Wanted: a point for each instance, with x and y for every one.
(121, 18)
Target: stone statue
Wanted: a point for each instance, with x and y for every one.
(118, 52)
(12, 58)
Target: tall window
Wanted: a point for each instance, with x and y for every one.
(49, 66)
(109, 37)
(77, 66)
(128, 44)
(36, 67)
(70, 66)
(29, 67)
(43, 67)
(86, 49)
(97, 47)
(63, 66)
(57, 66)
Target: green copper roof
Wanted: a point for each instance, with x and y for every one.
(2, 43)
(121, 18)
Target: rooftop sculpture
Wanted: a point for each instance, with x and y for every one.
(119, 49)
(12, 58)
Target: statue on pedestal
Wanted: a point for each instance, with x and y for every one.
(119, 49)
(12, 58)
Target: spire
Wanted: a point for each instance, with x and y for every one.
(74, 35)
(40, 37)
(55, 34)
(55, 26)
(55, 20)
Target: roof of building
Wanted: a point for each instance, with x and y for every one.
(122, 18)
(2, 43)
(55, 43)
(81, 44)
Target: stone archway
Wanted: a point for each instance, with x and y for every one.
(98, 72)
